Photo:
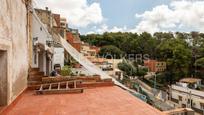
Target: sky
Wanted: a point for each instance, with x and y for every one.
(99, 16)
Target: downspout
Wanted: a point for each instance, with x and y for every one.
(28, 4)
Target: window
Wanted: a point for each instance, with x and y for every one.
(180, 98)
(202, 106)
(188, 101)
(35, 58)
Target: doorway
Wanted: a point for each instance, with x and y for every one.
(3, 78)
(47, 66)
(40, 61)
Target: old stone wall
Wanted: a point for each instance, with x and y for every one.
(14, 40)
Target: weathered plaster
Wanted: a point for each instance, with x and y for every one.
(13, 36)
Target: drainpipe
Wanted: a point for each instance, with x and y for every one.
(28, 29)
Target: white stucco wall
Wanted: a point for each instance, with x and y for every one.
(13, 39)
(58, 56)
(194, 95)
(38, 30)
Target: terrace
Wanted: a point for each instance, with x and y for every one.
(104, 100)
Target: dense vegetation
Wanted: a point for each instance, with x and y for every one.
(183, 52)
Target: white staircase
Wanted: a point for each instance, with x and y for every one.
(88, 64)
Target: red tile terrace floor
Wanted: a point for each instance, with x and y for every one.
(96, 101)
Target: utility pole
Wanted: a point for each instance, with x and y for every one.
(155, 81)
(190, 99)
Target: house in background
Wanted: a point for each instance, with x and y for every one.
(192, 83)
(73, 38)
(58, 57)
(42, 41)
(88, 50)
(188, 92)
(154, 65)
(63, 27)
(56, 25)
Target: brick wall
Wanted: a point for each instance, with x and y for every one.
(150, 64)
(57, 19)
(70, 39)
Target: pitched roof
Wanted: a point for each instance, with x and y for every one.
(190, 80)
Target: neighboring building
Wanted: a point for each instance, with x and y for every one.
(74, 39)
(106, 66)
(89, 51)
(63, 22)
(185, 94)
(180, 111)
(56, 23)
(63, 27)
(42, 41)
(58, 58)
(155, 66)
(192, 83)
(110, 66)
(46, 18)
(118, 74)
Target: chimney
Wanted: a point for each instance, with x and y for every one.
(46, 8)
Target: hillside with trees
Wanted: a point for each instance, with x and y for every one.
(183, 52)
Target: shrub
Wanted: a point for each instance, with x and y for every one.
(66, 71)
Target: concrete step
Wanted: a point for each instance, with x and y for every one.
(68, 78)
(34, 69)
(35, 78)
(36, 73)
(33, 83)
(96, 84)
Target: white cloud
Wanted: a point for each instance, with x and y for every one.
(177, 15)
(78, 12)
(104, 28)
(118, 29)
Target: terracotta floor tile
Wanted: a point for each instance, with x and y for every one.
(97, 101)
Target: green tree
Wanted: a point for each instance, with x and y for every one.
(141, 72)
(177, 55)
(200, 62)
(127, 68)
(110, 51)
